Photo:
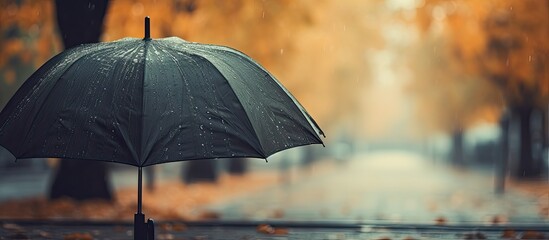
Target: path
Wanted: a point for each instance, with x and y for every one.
(391, 187)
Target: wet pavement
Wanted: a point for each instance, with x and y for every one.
(376, 195)
(388, 187)
(256, 230)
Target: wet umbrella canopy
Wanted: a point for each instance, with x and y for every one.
(148, 101)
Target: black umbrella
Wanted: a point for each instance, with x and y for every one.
(148, 101)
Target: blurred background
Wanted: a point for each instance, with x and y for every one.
(435, 111)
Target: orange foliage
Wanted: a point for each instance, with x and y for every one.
(315, 48)
(504, 42)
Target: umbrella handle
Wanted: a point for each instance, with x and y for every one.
(139, 228)
(142, 230)
(150, 229)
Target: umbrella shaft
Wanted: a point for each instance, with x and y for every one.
(139, 191)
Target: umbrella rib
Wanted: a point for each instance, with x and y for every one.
(218, 48)
(311, 121)
(259, 151)
(141, 161)
(317, 131)
(79, 58)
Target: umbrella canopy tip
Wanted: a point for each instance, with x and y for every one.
(147, 28)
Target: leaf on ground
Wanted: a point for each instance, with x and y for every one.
(265, 228)
(177, 227)
(509, 233)
(268, 229)
(280, 231)
(165, 236)
(532, 235)
(440, 221)
(186, 199)
(78, 236)
(209, 215)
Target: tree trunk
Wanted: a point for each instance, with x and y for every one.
(81, 180)
(237, 166)
(80, 22)
(527, 166)
(502, 161)
(200, 171)
(457, 148)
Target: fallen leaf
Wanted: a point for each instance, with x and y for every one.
(265, 228)
(440, 221)
(280, 231)
(78, 236)
(209, 215)
(532, 235)
(268, 229)
(179, 227)
(508, 233)
(165, 236)
(166, 226)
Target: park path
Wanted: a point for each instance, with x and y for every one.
(390, 186)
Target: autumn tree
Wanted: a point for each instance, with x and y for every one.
(448, 99)
(504, 43)
(80, 180)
